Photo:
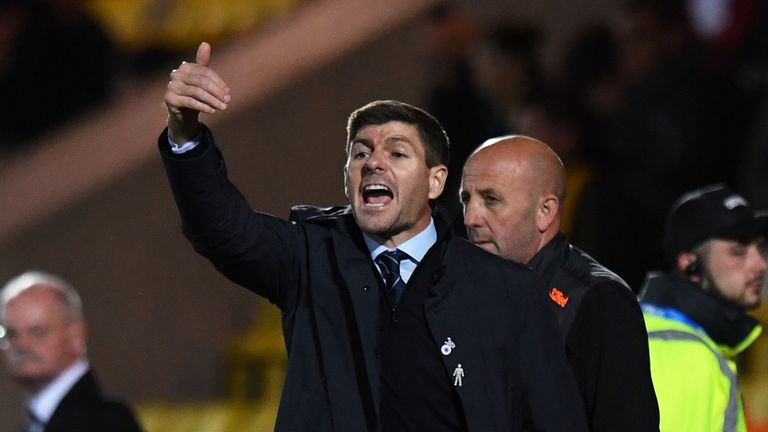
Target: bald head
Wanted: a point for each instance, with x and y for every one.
(512, 190)
(527, 158)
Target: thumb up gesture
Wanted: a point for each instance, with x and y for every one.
(192, 89)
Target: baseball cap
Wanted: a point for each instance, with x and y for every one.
(712, 212)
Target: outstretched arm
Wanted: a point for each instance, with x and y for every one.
(253, 249)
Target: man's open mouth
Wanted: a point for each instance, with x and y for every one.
(376, 195)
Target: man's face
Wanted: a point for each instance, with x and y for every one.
(41, 340)
(736, 271)
(499, 207)
(388, 183)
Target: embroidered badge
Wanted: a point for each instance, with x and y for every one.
(458, 375)
(447, 347)
(557, 296)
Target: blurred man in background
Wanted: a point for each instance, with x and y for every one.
(44, 346)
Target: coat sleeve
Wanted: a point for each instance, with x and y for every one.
(608, 349)
(552, 400)
(256, 250)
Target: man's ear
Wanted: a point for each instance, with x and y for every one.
(77, 336)
(688, 264)
(547, 212)
(684, 261)
(437, 176)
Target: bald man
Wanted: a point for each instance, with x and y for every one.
(512, 191)
(44, 346)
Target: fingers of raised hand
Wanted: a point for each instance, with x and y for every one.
(198, 88)
(187, 68)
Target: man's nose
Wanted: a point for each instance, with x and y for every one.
(758, 259)
(472, 217)
(16, 343)
(375, 161)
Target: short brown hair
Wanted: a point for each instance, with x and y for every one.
(436, 146)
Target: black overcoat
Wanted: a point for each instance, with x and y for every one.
(87, 407)
(605, 338)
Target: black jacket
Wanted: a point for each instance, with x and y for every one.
(88, 408)
(606, 341)
(318, 271)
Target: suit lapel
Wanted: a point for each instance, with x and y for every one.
(355, 268)
(462, 354)
(69, 411)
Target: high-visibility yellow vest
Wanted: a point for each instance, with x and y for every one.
(694, 378)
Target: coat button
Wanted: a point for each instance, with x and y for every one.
(365, 288)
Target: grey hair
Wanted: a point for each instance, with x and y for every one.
(21, 283)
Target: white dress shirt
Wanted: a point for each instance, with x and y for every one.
(416, 247)
(43, 403)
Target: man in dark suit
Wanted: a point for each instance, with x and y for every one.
(391, 322)
(44, 346)
(512, 190)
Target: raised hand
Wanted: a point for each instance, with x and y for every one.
(193, 88)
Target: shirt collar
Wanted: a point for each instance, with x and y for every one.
(549, 259)
(416, 247)
(44, 402)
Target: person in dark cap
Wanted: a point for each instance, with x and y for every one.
(695, 312)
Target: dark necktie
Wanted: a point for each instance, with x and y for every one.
(389, 264)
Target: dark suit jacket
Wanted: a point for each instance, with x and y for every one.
(317, 269)
(606, 341)
(88, 408)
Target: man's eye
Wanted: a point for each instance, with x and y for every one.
(763, 248)
(359, 155)
(398, 155)
(738, 251)
(464, 199)
(39, 332)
